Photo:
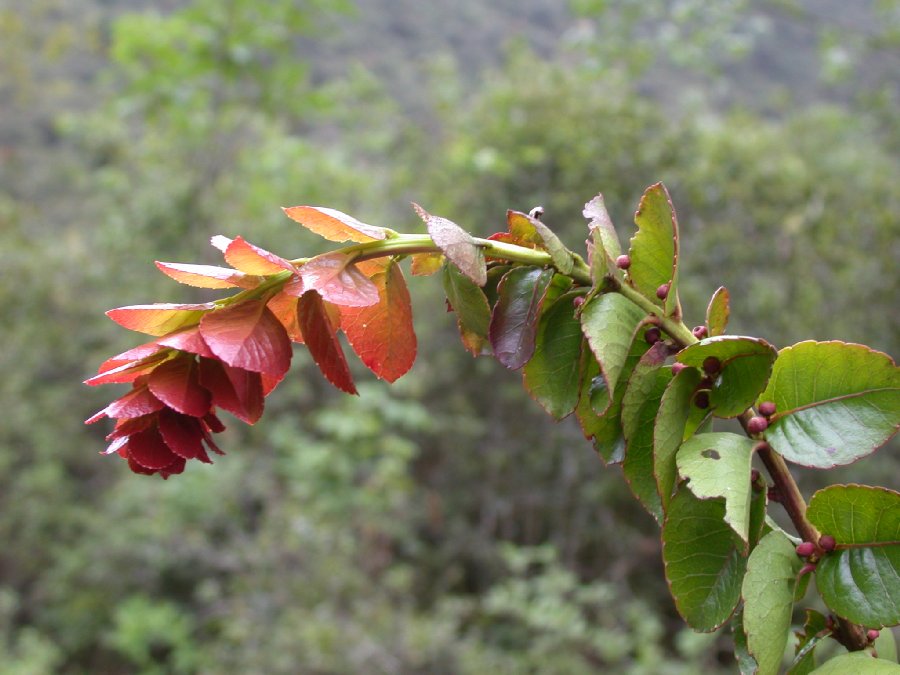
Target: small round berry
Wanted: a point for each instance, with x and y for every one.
(677, 367)
(699, 332)
(652, 336)
(623, 262)
(662, 292)
(872, 634)
(806, 549)
(754, 475)
(711, 365)
(757, 425)
(578, 301)
(701, 400)
(827, 542)
(767, 408)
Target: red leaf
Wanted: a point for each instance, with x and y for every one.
(322, 342)
(127, 372)
(175, 467)
(212, 421)
(177, 384)
(254, 260)
(284, 307)
(181, 433)
(125, 428)
(188, 340)
(132, 355)
(382, 335)
(457, 244)
(149, 450)
(159, 319)
(137, 468)
(236, 390)
(137, 402)
(247, 335)
(269, 382)
(207, 276)
(334, 225)
(337, 280)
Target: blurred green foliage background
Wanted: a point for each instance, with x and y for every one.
(442, 524)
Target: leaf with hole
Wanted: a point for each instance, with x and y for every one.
(717, 465)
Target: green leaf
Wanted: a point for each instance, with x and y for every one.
(717, 312)
(457, 244)
(836, 402)
(814, 631)
(718, 465)
(746, 663)
(606, 428)
(610, 322)
(553, 375)
(640, 405)
(471, 306)
(604, 240)
(703, 565)
(768, 592)
(886, 646)
(860, 579)
(857, 663)
(654, 249)
(668, 429)
(745, 366)
(513, 326)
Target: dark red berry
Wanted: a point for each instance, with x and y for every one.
(711, 365)
(827, 542)
(767, 408)
(754, 475)
(757, 425)
(677, 367)
(699, 332)
(578, 301)
(662, 292)
(623, 262)
(701, 400)
(652, 335)
(806, 549)
(872, 634)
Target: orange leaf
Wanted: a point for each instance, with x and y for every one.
(158, 319)
(337, 280)
(426, 264)
(284, 307)
(334, 225)
(248, 335)
(207, 276)
(251, 259)
(382, 335)
(322, 342)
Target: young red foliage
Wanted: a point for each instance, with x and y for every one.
(334, 225)
(337, 280)
(251, 259)
(183, 435)
(177, 384)
(284, 307)
(321, 340)
(158, 319)
(382, 334)
(187, 340)
(207, 276)
(236, 390)
(247, 335)
(137, 402)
